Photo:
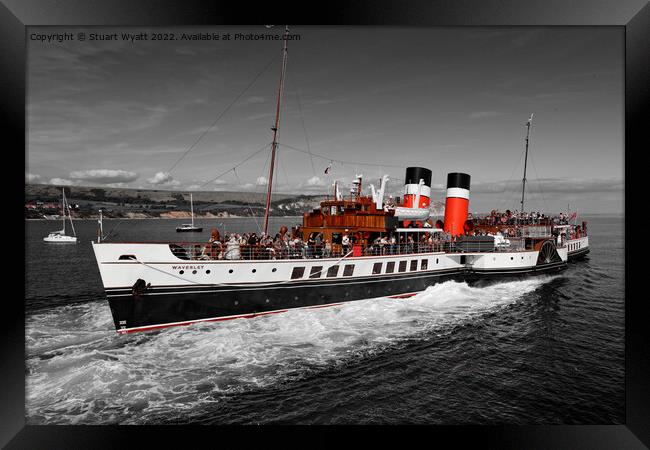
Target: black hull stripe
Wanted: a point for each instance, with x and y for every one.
(578, 253)
(158, 310)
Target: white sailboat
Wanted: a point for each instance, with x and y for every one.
(189, 226)
(59, 236)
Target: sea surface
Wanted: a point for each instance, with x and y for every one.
(544, 350)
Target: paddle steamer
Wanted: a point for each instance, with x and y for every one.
(368, 248)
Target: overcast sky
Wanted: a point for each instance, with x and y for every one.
(121, 113)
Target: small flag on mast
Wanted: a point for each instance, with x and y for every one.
(573, 216)
(327, 170)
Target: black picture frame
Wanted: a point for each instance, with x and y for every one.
(633, 15)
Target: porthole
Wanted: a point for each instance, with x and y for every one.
(230, 271)
(207, 271)
(236, 302)
(511, 258)
(254, 270)
(267, 300)
(194, 272)
(296, 297)
(274, 270)
(436, 260)
(181, 272)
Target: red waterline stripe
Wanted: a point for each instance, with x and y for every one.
(403, 295)
(217, 319)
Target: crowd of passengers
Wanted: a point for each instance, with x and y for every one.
(522, 218)
(292, 244)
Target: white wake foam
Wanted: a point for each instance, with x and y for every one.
(81, 371)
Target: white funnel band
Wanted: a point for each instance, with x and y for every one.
(456, 192)
(413, 189)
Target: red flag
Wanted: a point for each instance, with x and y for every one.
(573, 216)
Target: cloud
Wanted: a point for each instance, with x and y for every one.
(32, 178)
(62, 182)
(254, 99)
(261, 181)
(104, 176)
(163, 179)
(483, 114)
(327, 101)
(552, 185)
(315, 181)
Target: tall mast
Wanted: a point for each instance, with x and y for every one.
(523, 186)
(275, 128)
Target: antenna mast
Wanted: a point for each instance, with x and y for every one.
(275, 128)
(523, 187)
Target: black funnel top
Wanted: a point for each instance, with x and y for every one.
(415, 174)
(458, 180)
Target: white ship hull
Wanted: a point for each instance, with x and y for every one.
(173, 291)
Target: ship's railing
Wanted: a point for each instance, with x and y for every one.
(219, 251)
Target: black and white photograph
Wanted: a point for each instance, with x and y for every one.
(324, 225)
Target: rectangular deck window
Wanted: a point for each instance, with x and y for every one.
(424, 265)
(390, 267)
(402, 266)
(333, 271)
(348, 270)
(414, 265)
(297, 272)
(376, 268)
(315, 272)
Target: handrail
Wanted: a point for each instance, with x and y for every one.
(220, 251)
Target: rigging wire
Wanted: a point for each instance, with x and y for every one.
(508, 201)
(304, 128)
(222, 113)
(341, 161)
(237, 165)
(539, 184)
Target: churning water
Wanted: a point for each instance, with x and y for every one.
(541, 350)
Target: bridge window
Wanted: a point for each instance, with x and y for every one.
(315, 272)
(297, 272)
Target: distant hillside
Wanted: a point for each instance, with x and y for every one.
(140, 195)
(143, 203)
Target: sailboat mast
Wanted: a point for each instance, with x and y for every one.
(192, 209)
(63, 208)
(275, 128)
(523, 185)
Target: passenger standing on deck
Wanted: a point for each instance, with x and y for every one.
(345, 242)
(232, 248)
(327, 252)
(213, 249)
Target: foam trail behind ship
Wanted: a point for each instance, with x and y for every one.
(80, 371)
